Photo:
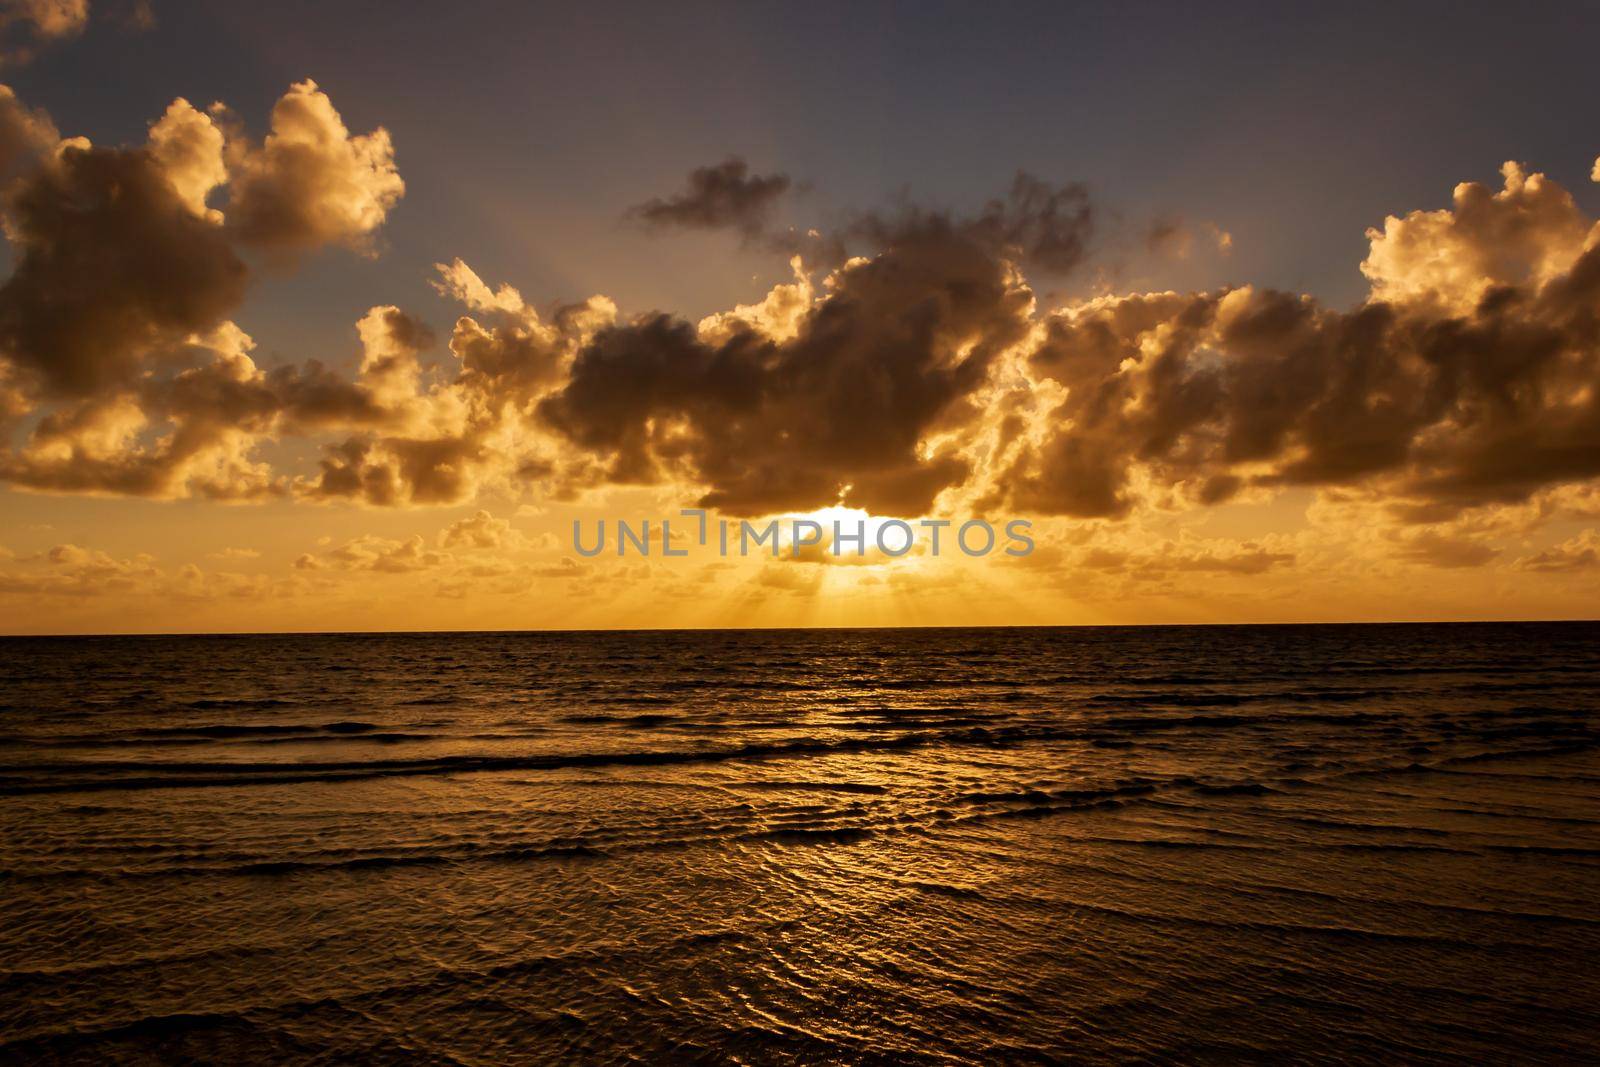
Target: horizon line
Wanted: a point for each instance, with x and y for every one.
(799, 629)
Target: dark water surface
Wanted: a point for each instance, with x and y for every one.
(1375, 843)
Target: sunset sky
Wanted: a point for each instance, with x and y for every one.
(317, 318)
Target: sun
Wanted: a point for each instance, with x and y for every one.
(855, 533)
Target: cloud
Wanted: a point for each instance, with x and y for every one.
(26, 25)
(188, 148)
(112, 264)
(480, 530)
(47, 18)
(191, 583)
(383, 554)
(212, 416)
(1439, 550)
(1580, 553)
(401, 470)
(1046, 226)
(1526, 233)
(69, 570)
(800, 581)
(723, 196)
(1039, 225)
(72, 571)
(461, 283)
(310, 182)
(779, 315)
(1171, 237)
(1186, 554)
(1467, 378)
(1036, 225)
(567, 567)
(477, 554)
(26, 135)
(115, 317)
(448, 438)
(118, 259)
(390, 342)
(837, 412)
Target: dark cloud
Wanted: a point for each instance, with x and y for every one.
(723, 196)
(1172, 237)
(1049, 226)
(1043, 226)
(1445, 407)
(111, 265)
(1441, 550)
(1036, 224)
(118, 258)
(116, 313)
(28, 25)
(839, 411)
(386, 471)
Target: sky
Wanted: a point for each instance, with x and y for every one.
(319, 320)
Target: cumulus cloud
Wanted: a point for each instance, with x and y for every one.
(1046, 226)
(192, 432)
(444, 440)
(188, 148)
(778, 316)
(803, 399)
(480, 530)
(82, 565)
(115, 318)
(838, 412)
(112, 265)
(386, 555)
(119, 260)
(1036, 224)
(311, 182)
(1466, 379)
(1526, 233)
(390, 343)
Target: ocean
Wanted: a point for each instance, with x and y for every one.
(1196, 844)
